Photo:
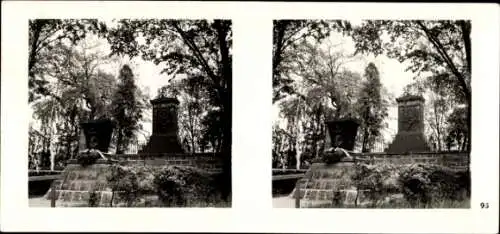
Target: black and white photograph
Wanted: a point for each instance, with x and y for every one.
(230, 116)
(371, 113)
(129, 113)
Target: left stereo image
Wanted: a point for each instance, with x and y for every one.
(130, 113)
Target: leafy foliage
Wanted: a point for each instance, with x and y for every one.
(439, 51)
(194, 104)
(44, 34)
(78, 91)
(93, 198)
(458, 132)
(174, 185)
(87, 159)
(377, 181)
(126, 109)
(287, 35)
(124, 183)
(425, 183)
(178, 185)
(200, 49)
(323, 89)
(372, 107)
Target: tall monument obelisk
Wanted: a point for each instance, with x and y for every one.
(410, 136)
(165, 137)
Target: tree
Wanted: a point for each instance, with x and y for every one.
(77, 88)
(43, 35)
(194, 103)
(323, 90)
(197, 48)
(372, 107)
(287, 35)
(441, 49)
(437, 108)
(457, 130)
(126, 109)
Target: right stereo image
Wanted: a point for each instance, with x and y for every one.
(371, 113)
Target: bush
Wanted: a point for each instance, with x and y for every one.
(124, 184)
(222, 182)
(172, 185)
(177, 185)
(427, 183)
(332, 157)
(377, 181)
(87, 159)
(93, 198)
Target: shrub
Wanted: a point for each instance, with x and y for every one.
(377, 181)
(332, 157)
(87, 159)
(93, 198)
(124, 183)
(177, 185)
(222, 182)
(172, 185)
(428, 183)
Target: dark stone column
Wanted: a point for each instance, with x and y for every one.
(165, 137)
(410, 136)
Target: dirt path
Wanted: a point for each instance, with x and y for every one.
(39, 202)
(283, 202)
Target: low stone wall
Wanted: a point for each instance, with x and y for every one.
(72, 189)
(322, 183)
(206, 161)
(457, 160)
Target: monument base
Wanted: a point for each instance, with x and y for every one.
(162, 144)
(405, 142)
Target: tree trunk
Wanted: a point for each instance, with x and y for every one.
(454, 70)
(297, 158)
(298, 153)
(32, 57)
(277, 51)
(119, 141)
(466, 30)
(366, 135)
(466, 27)
(227, 77)
(438, 131)
(469, 128)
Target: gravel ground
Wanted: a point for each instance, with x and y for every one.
(287, 202)
(283, 202)
(38, 202)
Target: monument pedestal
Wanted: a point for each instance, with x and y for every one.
(162, 144)
(410, 136)
(165, 137)
(406, 142)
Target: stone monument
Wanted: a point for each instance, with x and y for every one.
(342, 133)
(97, 134)
(410, 136)
(165, 137)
